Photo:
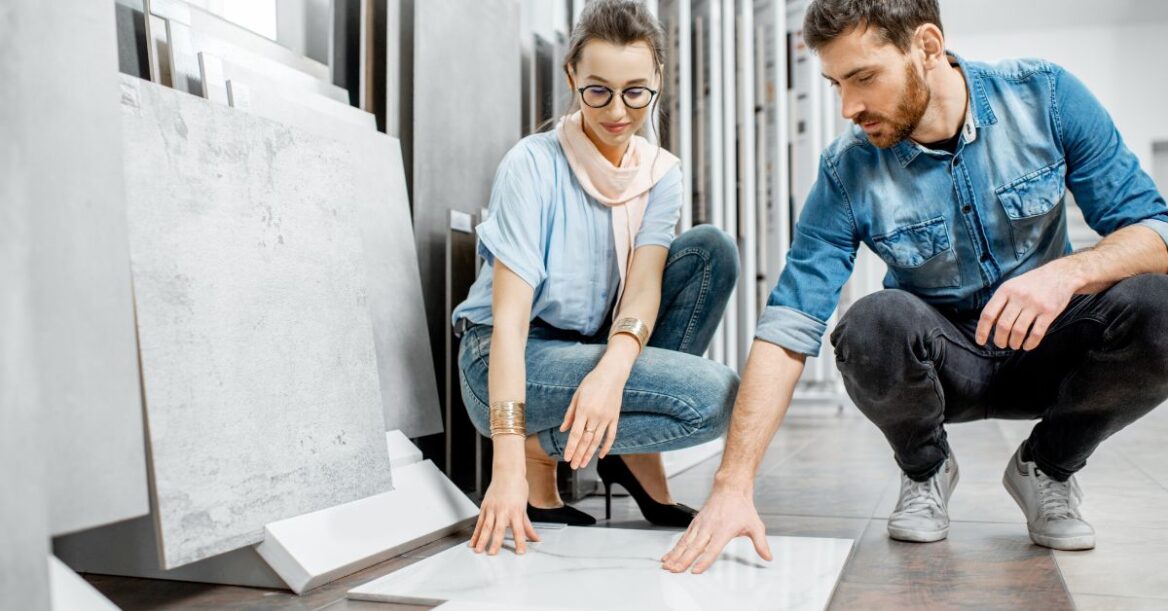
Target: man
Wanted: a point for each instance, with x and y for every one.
(955, 173)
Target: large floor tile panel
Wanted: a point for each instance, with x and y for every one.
(802, 575)
(253, 321)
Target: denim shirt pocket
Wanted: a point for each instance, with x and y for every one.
(1029, 202)
(921, 255)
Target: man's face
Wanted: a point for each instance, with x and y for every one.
(882, 89)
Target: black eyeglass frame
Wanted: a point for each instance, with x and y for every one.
(612, 94)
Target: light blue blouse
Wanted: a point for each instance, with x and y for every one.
(557, 238)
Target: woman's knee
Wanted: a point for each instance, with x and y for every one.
(714, 400)
(717, 248)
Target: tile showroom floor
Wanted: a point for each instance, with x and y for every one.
(832, 475)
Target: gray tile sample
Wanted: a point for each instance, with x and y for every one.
(186, 42)
(258, 361)
(409, 388)
(454, 152)
(86, 352)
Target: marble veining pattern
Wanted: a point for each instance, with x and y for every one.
(595, 568)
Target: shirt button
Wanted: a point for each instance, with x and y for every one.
(967, 209)
(985, 257)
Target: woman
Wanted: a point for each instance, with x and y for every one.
(589, 315)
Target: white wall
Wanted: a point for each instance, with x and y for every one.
(1123, 65)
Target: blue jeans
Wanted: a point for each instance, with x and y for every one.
(674, 398)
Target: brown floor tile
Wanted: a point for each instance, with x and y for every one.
(987, 566)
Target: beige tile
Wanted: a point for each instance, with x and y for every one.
(1093, 602)
(1128, 560)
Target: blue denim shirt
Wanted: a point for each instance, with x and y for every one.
(557, 238)
(953, 227)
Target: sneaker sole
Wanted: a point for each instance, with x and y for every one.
(1065, 544)
(917, 536)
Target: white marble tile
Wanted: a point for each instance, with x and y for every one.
(598, 568)
(258, 361)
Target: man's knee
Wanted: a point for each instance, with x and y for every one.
(879, 321)
(1142, 303)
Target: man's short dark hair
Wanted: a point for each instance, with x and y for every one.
(894, 20)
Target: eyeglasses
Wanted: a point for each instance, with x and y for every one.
(599, 96)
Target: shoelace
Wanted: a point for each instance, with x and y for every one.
(1059, 500)
(920, 497)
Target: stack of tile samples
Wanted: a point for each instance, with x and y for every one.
(215, 311)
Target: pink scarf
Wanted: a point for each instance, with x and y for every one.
(625, 189)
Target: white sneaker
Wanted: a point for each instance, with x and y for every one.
(1051, 507)
(922, 513)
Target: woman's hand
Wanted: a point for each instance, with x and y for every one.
(504, 506)
(596, 406)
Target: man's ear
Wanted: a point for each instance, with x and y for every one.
(929, 39)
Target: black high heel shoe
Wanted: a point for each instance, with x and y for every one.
(613, 470)
(560, 515)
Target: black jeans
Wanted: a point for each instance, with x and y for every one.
(911, 368)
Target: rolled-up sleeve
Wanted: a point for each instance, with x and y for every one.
(820, 261)
(662, 212)
(513, 230)
(1102, 172)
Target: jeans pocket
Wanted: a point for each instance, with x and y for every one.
(1030, 203)
(921, 255)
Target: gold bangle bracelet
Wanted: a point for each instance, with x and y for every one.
(507, 418)
(632, 326)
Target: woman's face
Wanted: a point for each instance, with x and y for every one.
(621, 68)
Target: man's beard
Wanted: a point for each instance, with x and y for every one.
(909, 111)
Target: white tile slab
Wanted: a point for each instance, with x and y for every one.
(258, 363)
(185, 42)
(475, 606)
(267, 96)
(402, 453)
(609, 568)
(313, 549)
(24, 518)
(69, 592)
(212, 26)
(87, 360)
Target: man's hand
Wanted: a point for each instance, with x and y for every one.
(1022, 309)
(727, 514)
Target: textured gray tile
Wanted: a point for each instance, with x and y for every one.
(409, 387)
(259, 367)
(86, 352)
